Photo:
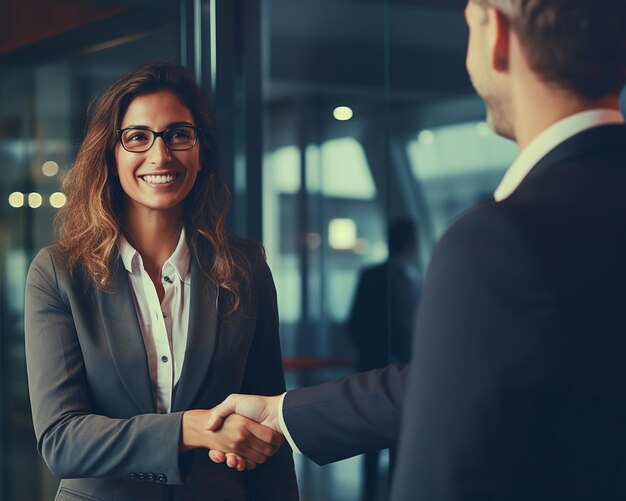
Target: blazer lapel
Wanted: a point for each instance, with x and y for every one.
(125, 340)
(605, 139)
(201, 339)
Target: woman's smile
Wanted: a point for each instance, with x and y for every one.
(159, 179)
(162, 181)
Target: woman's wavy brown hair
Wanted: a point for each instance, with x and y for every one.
(89, 224)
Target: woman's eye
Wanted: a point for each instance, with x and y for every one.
(136, 136)
(182, 134)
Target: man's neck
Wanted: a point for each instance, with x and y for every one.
(540, 105)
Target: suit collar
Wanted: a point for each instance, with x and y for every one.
(604, 140)
(124, 337)
(550, 140)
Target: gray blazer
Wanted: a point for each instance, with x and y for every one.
(92, 401)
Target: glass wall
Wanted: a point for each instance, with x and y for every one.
(43, 107)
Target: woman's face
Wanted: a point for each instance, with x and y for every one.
(159, 178)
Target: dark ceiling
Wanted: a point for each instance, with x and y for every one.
(344, 46)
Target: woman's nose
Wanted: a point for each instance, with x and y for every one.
(159, 152)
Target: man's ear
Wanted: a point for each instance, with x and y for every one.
(499, 37)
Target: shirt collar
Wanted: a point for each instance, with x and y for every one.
(128, 254)
(548, 140)
(179, 261)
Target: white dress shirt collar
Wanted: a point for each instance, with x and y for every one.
(178, 262)
(547, 140)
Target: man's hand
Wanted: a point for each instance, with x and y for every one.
(249, 441)
(263, 410)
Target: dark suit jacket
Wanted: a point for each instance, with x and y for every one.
(92, 400)
(517, 388)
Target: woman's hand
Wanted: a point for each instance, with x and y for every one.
(247, 439)
(264, 410)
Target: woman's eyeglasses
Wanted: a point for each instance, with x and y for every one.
(140, 139)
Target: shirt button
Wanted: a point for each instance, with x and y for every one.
(164, 359)
(167, 279)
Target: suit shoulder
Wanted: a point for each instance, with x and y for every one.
(488, 239)
(250, 256)
(374, 276)
(247, 249)
(482, 221)
(495, 220)
(50, 258)
(375, 268)
(49, 271)
(51, 266)
(484, 234)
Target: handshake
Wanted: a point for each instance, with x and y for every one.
(243, 430)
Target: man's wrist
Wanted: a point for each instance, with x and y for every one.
(283, 425)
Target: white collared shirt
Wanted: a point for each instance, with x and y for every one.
(547, 140)
(164, 325)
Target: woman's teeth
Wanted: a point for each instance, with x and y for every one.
(159, 179)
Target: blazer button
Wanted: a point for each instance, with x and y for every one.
(161, 478)
(151, 477)
(133, 476)
(141, 476)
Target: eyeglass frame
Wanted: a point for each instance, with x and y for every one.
(156, 134)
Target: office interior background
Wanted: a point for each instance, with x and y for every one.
(314, 184)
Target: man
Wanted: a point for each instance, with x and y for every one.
(517, 388)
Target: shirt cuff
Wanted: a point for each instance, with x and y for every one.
(283, 425)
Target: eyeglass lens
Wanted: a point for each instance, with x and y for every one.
(182, 137)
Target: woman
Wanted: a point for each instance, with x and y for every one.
(146, 312)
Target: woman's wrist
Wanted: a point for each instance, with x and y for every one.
(192, 429)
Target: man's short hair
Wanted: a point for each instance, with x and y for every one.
(579, 45)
